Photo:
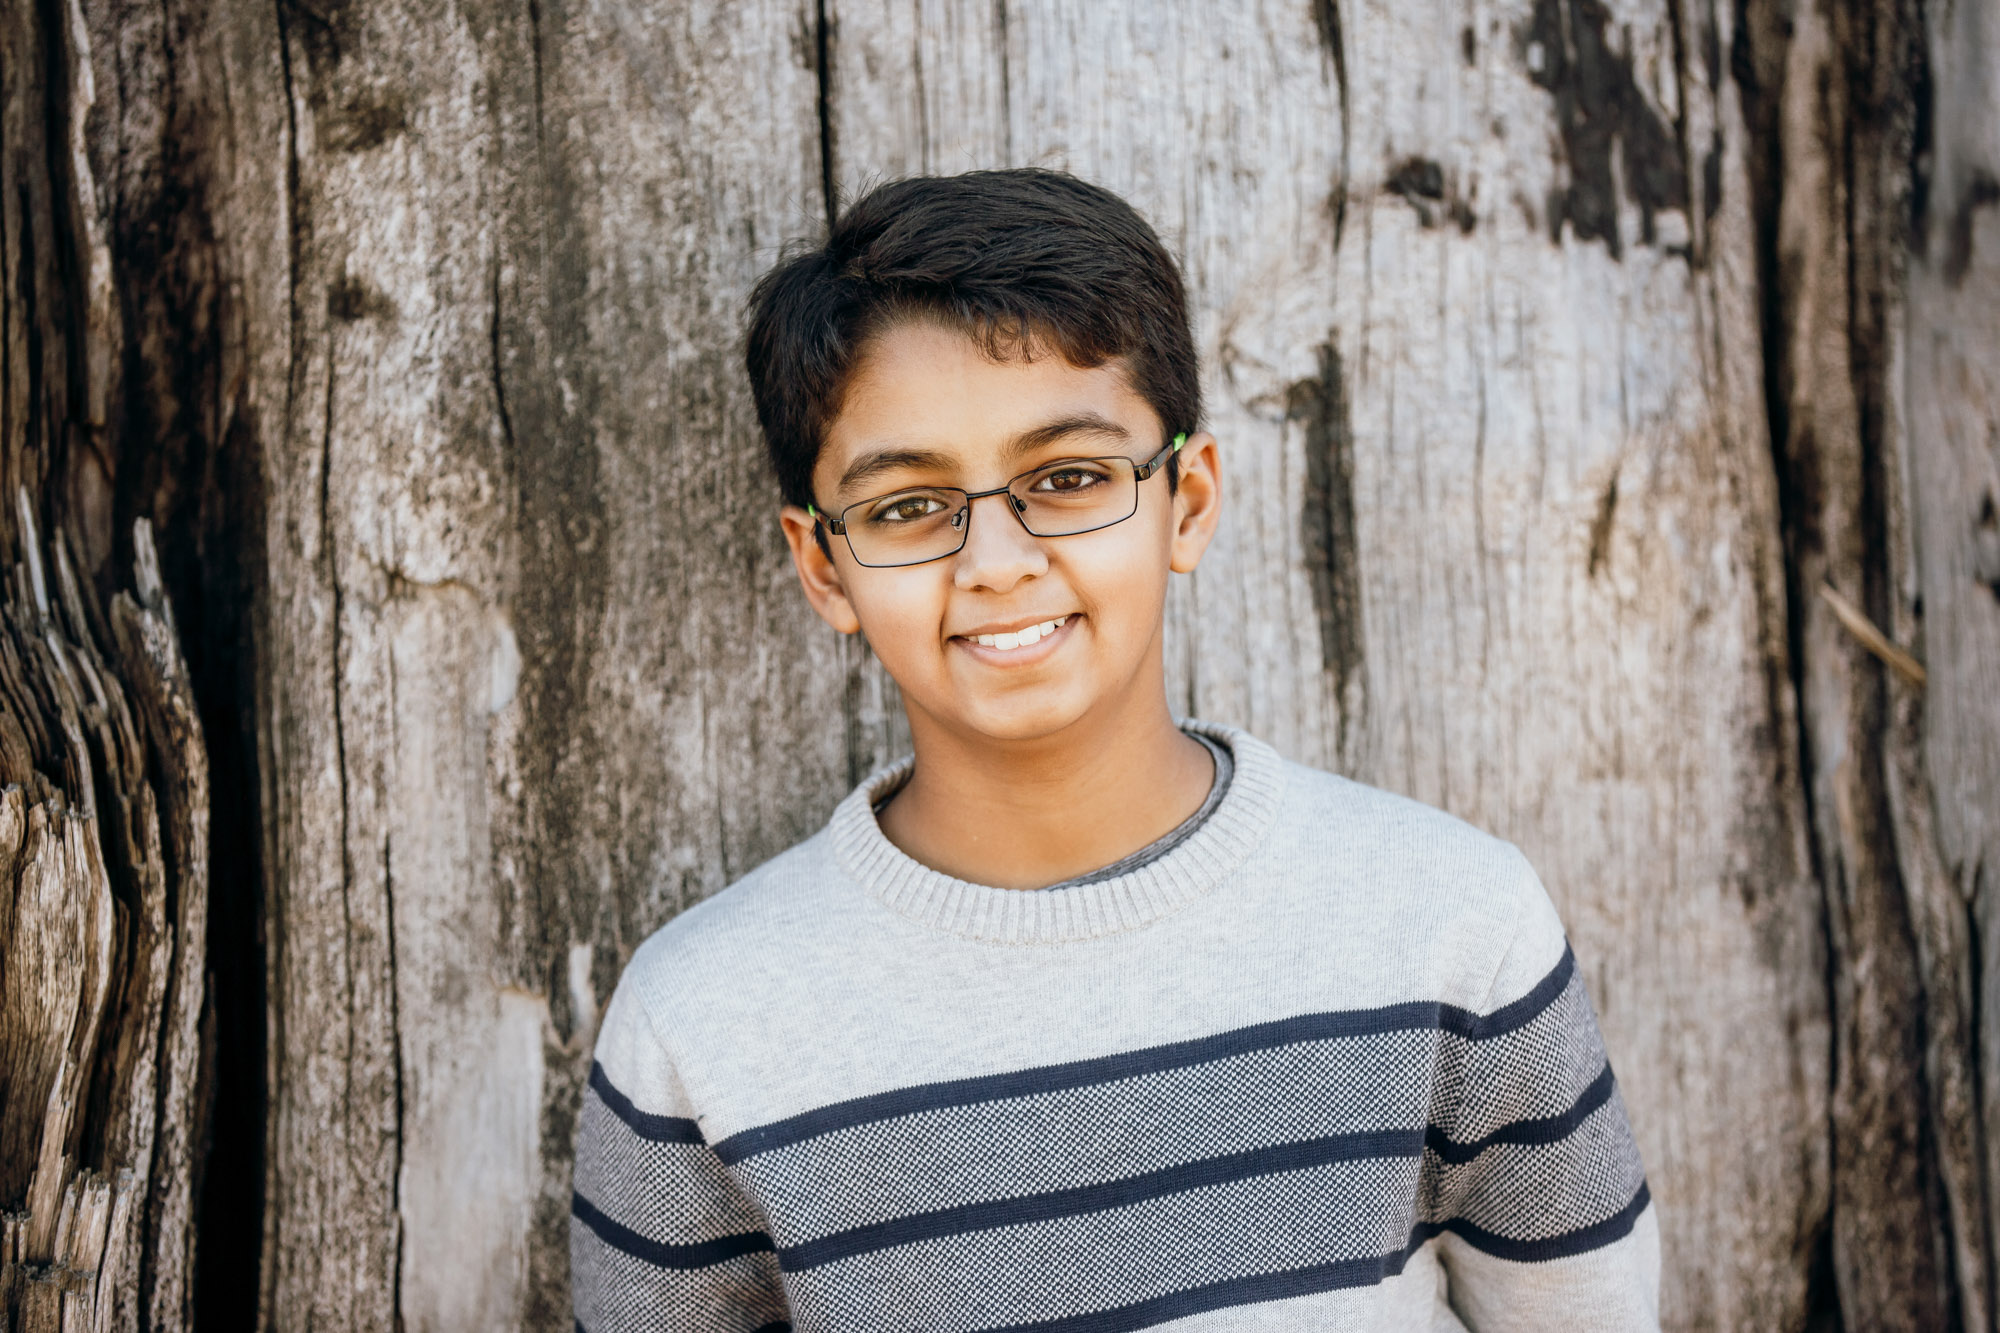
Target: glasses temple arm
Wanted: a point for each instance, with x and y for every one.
(1152, 465)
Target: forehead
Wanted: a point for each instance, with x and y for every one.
(920, 386)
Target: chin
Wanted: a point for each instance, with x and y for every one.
(1024, 720)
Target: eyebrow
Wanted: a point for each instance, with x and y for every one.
(1077, 423)
(891, 460)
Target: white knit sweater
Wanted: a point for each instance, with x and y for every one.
(1328, 1064)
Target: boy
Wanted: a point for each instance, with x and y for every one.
(1079, 1019)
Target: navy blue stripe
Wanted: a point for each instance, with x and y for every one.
(1415, 1015)
(1549, 1129)
(1512, 1017)
(1025, 1209)
(1253, 1290)
(1595, 1236)
(1344, 1274)
(658, 1128)
(702, 1254)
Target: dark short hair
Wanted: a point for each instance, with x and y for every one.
(1019, 260)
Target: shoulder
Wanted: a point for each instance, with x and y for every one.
(1424, 884)
(1335, 824)
(741, 941)
(1382, 832)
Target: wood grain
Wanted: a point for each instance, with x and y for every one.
(1860, 438)
(1948, 591)
(1560, 350)
(537, 679)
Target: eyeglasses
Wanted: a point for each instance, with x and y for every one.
(1058, 499)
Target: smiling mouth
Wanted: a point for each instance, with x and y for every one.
(1020, 638)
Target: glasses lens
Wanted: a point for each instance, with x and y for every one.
(906, 527)
(1077, 495)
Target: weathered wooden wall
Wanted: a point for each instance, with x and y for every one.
(1877, 128)
(532, 675)
(1943, 547)
(1562, 351)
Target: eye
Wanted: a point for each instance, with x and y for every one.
(1069, 479)
(907, 508)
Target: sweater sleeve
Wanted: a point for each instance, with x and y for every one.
(1531, 1176)
(661, 1238)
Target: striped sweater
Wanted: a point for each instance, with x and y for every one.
(1327, 1064)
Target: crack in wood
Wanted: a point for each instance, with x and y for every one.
(499, 375)
(823, 72)
(396, 1069)
(1600, 527)
(1333, 44)
(1000, 43)
(277, 954)
(535, 55)
(1327, 525)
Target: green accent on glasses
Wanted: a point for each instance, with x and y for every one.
(1057, 499)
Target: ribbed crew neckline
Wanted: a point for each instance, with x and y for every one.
(1084, 911)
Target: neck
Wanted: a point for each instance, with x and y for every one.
(1024, 814)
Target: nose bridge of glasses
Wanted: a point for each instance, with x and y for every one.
(1015, 505)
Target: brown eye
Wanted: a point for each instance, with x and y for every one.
(905, 509)
(1068, 480)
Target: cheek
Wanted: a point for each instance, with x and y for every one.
(899, 616)
(1124, 568)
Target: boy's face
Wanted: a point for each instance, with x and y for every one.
(927, 407)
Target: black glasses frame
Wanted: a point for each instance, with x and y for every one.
(962, 520)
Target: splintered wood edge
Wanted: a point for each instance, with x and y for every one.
(1856, 622)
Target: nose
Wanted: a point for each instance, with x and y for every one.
(998, 551)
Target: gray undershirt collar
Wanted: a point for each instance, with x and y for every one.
(1225, 768)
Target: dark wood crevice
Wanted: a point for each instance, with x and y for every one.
(1831, 278)
(103, 739)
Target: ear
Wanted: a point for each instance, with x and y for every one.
(1197, 501)
(818, 574)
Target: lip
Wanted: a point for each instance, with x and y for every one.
(1010, 626)
(1027, 655)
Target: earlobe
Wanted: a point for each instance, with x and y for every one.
(819, 576)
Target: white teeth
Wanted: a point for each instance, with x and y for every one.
(1021, 638)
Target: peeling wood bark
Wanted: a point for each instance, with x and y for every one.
(103, 818)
